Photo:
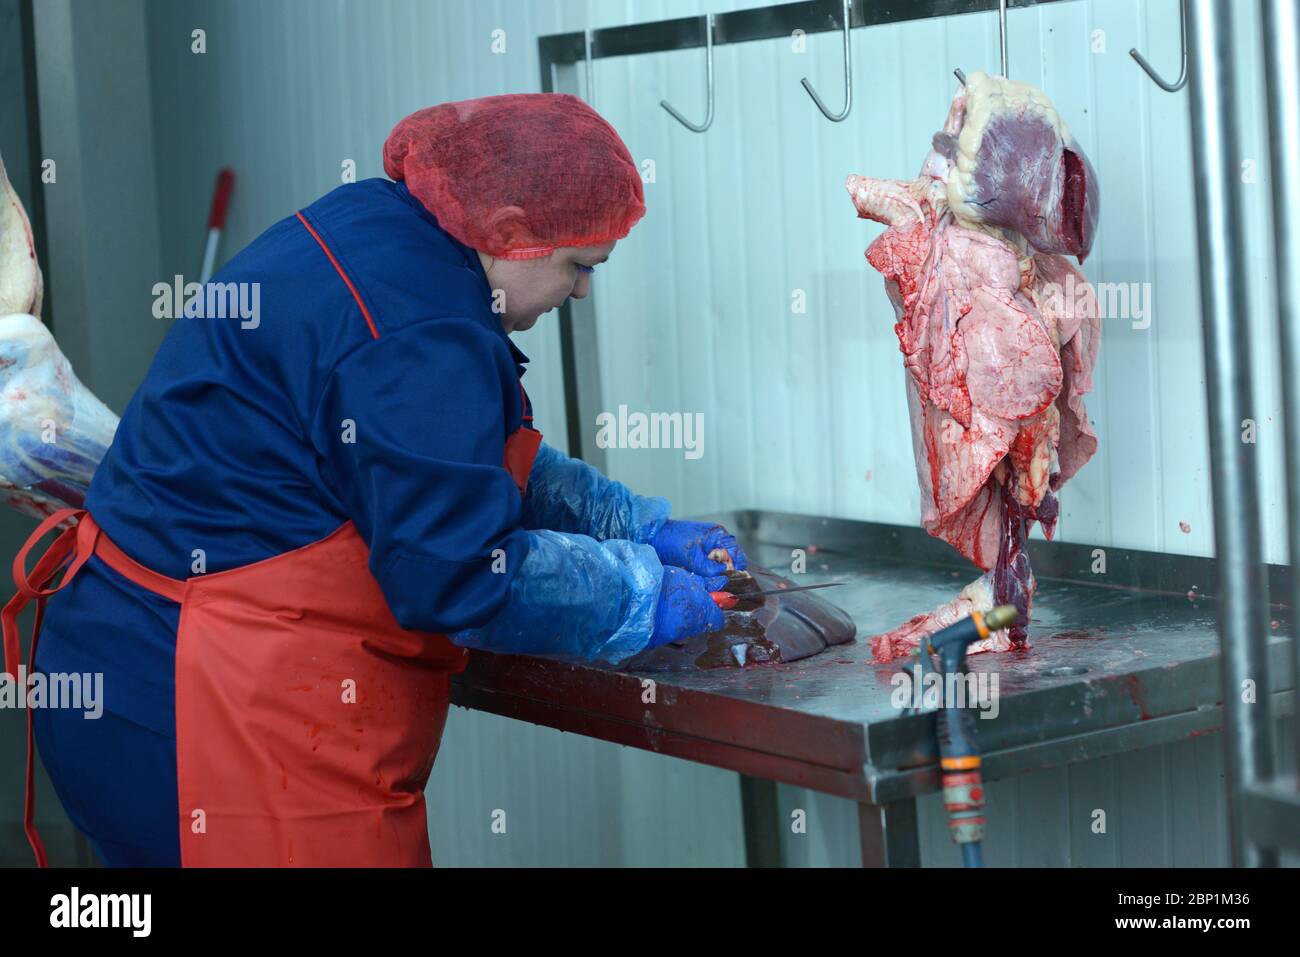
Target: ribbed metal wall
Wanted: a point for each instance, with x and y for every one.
(803, 412)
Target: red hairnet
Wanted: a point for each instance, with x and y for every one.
(516, 176)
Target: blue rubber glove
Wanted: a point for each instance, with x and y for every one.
(575, 598)
(687, 545)
(568, 495)
(685, 607)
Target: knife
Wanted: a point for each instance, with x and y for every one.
(726, 600)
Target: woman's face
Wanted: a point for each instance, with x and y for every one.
(525, 289)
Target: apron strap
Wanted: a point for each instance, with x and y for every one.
(524, 398)
(33, 585)
(172, 589)
(70, 550)
(81, 537)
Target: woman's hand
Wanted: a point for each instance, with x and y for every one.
(685, 606)
(699, 547)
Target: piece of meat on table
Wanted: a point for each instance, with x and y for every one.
(903, 640)
(999, 334)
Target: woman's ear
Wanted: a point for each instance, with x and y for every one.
(508, 225)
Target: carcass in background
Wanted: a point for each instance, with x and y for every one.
(53, 431)
(21, 286)
(999, 334)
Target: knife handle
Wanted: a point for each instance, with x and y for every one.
(724, 599)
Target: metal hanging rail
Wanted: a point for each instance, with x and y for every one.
(743, 26)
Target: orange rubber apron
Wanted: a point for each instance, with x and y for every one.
(307, 719)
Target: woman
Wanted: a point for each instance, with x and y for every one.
(306, 519)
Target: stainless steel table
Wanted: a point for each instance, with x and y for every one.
(1123, 656)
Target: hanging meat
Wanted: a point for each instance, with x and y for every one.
(53, 430)
(20, 276)
(999, 334)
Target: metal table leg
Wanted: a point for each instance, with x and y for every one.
(762, 821)
(888, 833)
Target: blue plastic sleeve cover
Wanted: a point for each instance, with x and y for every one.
(568, 495)
(575, 598)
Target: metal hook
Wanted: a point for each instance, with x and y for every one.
(1150, 70)
(848, 74)
(591, 73)
(708, 119)
(1002, 42)
(1002, 34)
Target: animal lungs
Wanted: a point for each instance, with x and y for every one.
(999, 334)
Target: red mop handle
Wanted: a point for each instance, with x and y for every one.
(221, 198)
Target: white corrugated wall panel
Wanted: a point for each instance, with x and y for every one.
(803, 412)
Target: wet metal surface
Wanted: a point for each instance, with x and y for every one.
(1074, 626)
(1110, 668)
